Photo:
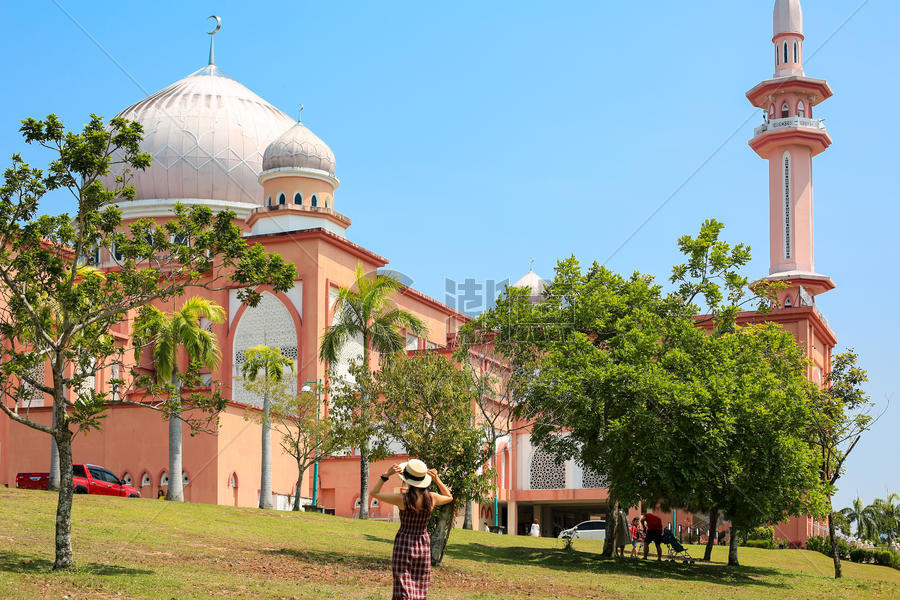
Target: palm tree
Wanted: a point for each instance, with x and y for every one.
(168, 333)
(887, 513)
(272, 364)
(857, 514)
(364, 312)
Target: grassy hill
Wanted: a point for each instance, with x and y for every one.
(155, 549)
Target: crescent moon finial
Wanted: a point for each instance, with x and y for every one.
(212, 40)
(218, 24)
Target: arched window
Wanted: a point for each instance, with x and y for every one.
(314, 201)
(281, 198)
(233, 480)
(771, 111)
(796, 53)
(777, 58)
(326, 201)
(145, 479)
(298, 198)
(785, 53)
(801, 110)
(268, 200)
(785, 110)
(127, 478)
(164, 479)
(787, 205)
(185, 480)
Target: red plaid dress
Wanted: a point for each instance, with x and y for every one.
(411, 561)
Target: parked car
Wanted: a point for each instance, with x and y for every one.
(586, 530)
(86, 479)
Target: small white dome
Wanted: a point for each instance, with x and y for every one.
(299, 148)
(787, 18)
(533, 282)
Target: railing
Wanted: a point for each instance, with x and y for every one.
(790, 122)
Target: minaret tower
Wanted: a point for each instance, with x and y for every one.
(789, 138)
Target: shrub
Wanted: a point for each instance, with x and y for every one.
(887, 558)
(822, 544)
(768, 544)
(760, 533)
(861, 555)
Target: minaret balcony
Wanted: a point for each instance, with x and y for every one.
(776, 133)
(790, 122)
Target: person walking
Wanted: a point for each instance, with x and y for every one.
(654, 528)
(535, 529)
(411, 559)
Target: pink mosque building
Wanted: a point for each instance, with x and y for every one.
(215, 142)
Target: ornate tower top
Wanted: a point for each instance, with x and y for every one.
(787, 17)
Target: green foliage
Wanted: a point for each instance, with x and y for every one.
(766, 544)
(63, 311)
(427, 408)
(823, 544)
(862, 555)
(765, 534)
(620, 377)
(887, 558)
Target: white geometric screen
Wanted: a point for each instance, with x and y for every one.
(267, 323)
(546, 473)
(33, 396)
(352, 349)
(590, 479)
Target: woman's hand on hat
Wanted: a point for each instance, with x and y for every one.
(393, 470)
(433, 473)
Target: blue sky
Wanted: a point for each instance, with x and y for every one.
(472, 137)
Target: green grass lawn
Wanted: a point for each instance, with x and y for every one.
(127, 548)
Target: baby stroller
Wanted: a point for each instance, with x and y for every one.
(676, 550)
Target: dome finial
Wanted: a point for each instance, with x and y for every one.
(300, 114)
(531, 265)
(212, 39)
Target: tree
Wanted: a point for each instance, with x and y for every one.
(886, 513)
(841, 415)
(624, 380)
(57, 312)
(306, 435)
(364, 312)
(427, 408)
(168, 333)
(271, 364)
(858, 513)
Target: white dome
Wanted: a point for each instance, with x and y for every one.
(532, 282)
(787, 17)
(299, 148)
(207, 134)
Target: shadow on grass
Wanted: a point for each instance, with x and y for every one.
(552, 558)
(375, 538)
(355, 561)
(20, 563)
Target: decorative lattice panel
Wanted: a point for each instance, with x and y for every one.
(33, 396)
(592, 479)
(546, 473)
(352, 349)
(268, 323)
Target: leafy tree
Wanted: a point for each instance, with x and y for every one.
(886, 513)
(841, 415)
(268, 362)
(427, 408)
(866, 523)
(364, 312)
(625, 381)
(59, 313)
(168, 333)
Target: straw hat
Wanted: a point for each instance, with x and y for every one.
(415, 473)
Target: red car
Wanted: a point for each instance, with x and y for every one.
(86, 479)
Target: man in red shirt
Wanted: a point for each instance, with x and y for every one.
(654, 527)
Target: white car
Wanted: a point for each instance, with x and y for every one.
(586, 530)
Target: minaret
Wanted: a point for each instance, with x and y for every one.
(789, 138)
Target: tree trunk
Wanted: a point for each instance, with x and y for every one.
(835, 554)
(364, 482)
(733, 548)
(609, 544)
(265, 481)
(467, 519)
(300, 471)
(53, 481)
(440, 526)
(713, 532)
(64, 558)
(176, 487)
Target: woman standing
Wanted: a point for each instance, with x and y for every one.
(411, 560)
